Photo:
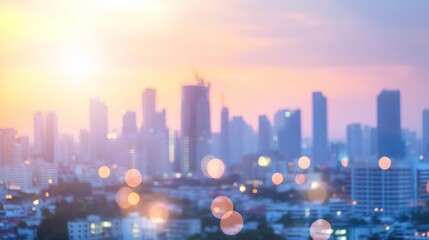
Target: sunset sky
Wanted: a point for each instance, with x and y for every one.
(261, 55)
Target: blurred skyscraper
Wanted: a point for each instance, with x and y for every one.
(390, 141)
(425, 144)
(51, 138)
(354, 141)
(289, 133)
(9, 149)
(196, 128)
(224, 135)
(264, 135)
(98, 130)
(320, 128)
(129, 123)
(39, 134)
(155, 157)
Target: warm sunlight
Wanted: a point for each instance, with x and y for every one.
(78, 64)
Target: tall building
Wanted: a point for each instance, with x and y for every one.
(289, 133)
(98, 130)
(264, 134)
(224, 135)
(390, 141)
(39, 134)
(84, 145)
(320, 129)
(369, 141)
(129, 123)
(354, 141)
(51, 138)
(24, 142)
(8, 147)
(196, 128)
(155, 155)
(236, 140)
(425, 144)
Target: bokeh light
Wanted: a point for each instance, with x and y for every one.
(320, 230)
(158, 213)
(242, 188)
(384, 163)
(344, 162)
(215, 168)
(133, 178)
(231, 223)
(122, 197)
(204, 164)
(220, 206)
(264, 161)
(318, 193)
(304, 162)
(104, 172)
(300, 179)
(277, 178)
(133, 198)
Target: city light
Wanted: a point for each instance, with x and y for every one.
(220, 206)
(104, 172)
(384, 163)
(304, 162)
(264, 161)
(277, 178)
(133, 178)
(320, 230)
(232, 223)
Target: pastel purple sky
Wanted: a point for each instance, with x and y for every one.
(262, 55)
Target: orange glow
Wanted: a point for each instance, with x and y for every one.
(384, 163)
(133, 178)
(231, 223)
(122, 197)
(318, 194)
(158, 213)
(300, 179)
(220, 206)
(277, 178)
(320, 230)
(133, 198)
(344, 162)
(304, 162)
(104, 172)
(212, 167)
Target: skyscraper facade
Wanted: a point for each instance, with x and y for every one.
(224, 135)
(51, 137)
(8, 147)
(129, 123)
(354, 141)
(320, 128)
(39, 134)
(264, 134)
(390, 141)
(236, 140)
(196, 128)
(98, 130)
(289, 134)
(425, 142)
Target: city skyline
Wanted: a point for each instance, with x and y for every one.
(350, 64)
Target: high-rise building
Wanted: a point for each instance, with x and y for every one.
(410, 142)
(39, 134)
(224, 135)
(98, 130)
(236, 140)
(8, 148)
(289, 134)
(264, 135)
(51, 138)
(154, 151)
(84, 145)
(320, 129)
(196, 128)
(369, 141)
(354, 141)
(148, 108)
(24, 142)
(129, 123)
(390, 141)
(425, 142)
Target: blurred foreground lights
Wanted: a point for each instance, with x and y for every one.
(300, 179)
(264, 161)
(384, 163)
(427, 187)
(318, 193)
(242, 188)
(231, 223)
(133, 178)
(47, 194)
(277, 178)
(133, 198)
(104, 172)
(36, 202)
(158, 213)
(344, 162)
(220, 206)
(212, 167)
(304, 162)
(122, 197)
(320, 230)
